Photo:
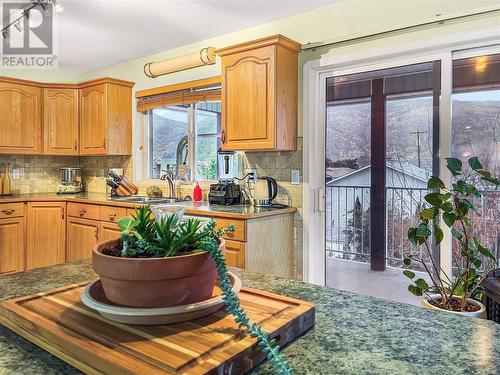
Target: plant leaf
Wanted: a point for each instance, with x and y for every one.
(409, 274)
(422, 285)
(456, 233)
(447, 207)
(428, 213)
(414, 290)
(444, 197)
(438, 235)
(485, 251)
(454, 165)
(435, 183)
(124, 223)
(422, 231)
(433, 199)
(475, 163)
(412, 236)
(449, 218)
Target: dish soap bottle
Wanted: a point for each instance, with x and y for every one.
(197, 193)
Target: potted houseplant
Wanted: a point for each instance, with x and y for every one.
(453, 205)
(165, 261)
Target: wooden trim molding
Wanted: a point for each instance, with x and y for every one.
(278, 39)
(196, 84)
(58, 85)
(99, 81)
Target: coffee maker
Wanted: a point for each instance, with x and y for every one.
(226, 191)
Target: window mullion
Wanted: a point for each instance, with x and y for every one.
(445, 140)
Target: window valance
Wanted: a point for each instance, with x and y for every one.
(205, 90)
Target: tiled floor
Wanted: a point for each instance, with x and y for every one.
(356, 277)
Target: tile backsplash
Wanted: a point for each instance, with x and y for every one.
(41, 174)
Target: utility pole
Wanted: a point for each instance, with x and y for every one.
(418, 132)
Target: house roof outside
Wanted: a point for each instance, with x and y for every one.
(404, 167)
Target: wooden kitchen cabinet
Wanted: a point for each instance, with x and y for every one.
(108, 231)
(60, 121)
(106, 117)
(235, 254)
(20, 117)
(11, 245)
(83, 234)
(259, 95)
(45, 234)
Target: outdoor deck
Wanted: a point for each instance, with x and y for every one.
(357, 277)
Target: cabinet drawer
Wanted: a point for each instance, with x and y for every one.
(87, 211)
(239, 233)
(11, 210)
(112, 214)
(130, 211)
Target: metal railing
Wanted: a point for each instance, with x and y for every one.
(348, 222)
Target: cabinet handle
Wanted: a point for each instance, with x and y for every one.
(82, 212)
(104, 143)
(97, 234)
(8, 211)
(223, 136)
(76, 145)
(112, 216)
(62, 212)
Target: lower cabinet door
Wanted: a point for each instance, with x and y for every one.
(109, 231)
(235, 254)
(11, 245)
(83, 234)
(45, 234)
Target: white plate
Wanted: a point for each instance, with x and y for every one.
(94, 298)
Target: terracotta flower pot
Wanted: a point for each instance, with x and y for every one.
(473, 314)
(155, 282)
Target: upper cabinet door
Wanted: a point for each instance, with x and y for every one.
(93, 120)
(248, 97)
(60, 121)
(20, 119)
(259, 95)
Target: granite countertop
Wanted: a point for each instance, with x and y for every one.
(192, 208)
(353, 334)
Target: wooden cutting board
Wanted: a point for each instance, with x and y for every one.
(58, 322)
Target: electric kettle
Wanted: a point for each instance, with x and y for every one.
(265, 191)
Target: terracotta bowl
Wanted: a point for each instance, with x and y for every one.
(155, 282)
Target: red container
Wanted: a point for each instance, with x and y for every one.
(197, 193)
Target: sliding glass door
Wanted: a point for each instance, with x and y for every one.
(476, 132)
(384, 139)
(380, 127)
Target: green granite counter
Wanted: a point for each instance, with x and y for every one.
(353, 334)
(192, 208)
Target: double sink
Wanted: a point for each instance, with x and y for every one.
(148, 200)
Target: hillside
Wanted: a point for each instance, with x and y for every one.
(476, 126)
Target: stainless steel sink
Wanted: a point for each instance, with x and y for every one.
(147, 200)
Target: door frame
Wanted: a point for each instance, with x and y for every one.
(315, 73)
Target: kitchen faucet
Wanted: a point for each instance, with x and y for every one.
(169, 177)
